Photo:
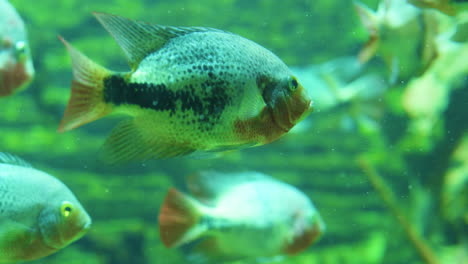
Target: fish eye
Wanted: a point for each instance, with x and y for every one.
(66, 209)
(293, 84)
(20, 50)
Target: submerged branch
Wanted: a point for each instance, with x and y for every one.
(424, 251)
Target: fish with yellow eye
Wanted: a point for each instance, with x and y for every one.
(190, 90)
(16, 68)
(39, 215)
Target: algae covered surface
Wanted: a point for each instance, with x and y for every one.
(406, 131)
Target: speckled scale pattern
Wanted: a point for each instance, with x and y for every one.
(20, 194)
(30, 222)
(212, 75)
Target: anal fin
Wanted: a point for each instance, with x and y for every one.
(130, 141)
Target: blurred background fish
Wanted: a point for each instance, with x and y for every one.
(345, 86)
(16, 68)
(424, 51)
(238, 216)
(39, 215)
(400, 34)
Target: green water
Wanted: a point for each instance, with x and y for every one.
(320, 158)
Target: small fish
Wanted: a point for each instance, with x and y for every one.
(401, 34)
(190, 89)
(16, 68)
(39, 215)
(233, 216)
(340, 81)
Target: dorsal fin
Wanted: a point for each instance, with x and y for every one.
(139, 39)
(13, 160)
(209, 185)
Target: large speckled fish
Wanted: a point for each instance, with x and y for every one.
(233, 216)
(191, 89)
(38, 214)
(16, 68)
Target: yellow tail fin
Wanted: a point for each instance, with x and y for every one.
(86, 102)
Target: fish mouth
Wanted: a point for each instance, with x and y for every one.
(317, 229)
(13, 77)
(79, 233)
(306, 237)
(289, 110)
(86, 227)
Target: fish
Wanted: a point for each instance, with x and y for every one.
(346, 87)
(400, 34)
(39, 215)
(238, 216)
(16, 66)
(340, 81)
(190, 90)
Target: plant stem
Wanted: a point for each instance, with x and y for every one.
(381, 187)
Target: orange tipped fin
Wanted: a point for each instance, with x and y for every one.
(370, 21)
(369, 18)
(178, 219)
(369, 49)
(86, 102)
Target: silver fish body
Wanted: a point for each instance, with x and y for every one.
(237, 216)
(267, 216)
(38, 214)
